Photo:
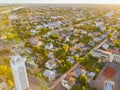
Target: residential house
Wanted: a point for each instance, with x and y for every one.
(73, 50)
(50, 64)
(51, 55)
(29, 50)
(116, 58)
(39, 27)
(100, 53)
(109, 14)
(85, 48)
(51, 75)
(99, 22)
(49, 46)
(90, 34)
(70, 59)
(90, 76)
(39, 43)
(103, 36)
(33, 32)
(68, 81)
(80, 45)
(105, 46)
(115, 50)
(33, 40)
(81, 36)
(89, 22)
(74, 40)
(31, 65)
(83, 32)
(79, 70)
(102, 28)
(91, 43)
(48, 34)
(97, 39)
(96, 33)
(3, 37)
(13, 17)
(67, 39)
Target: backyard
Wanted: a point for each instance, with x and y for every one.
(91, 63)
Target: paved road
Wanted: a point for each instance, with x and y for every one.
(11, 10)
(76, 64)
(104, 41)
(33, 82)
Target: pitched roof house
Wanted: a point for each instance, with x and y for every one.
(49, 46)
(51, 75)
(50, 64)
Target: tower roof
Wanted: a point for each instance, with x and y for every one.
(17, 58)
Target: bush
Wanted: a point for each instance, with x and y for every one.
(83, 88)
(97, 71)
(83, 80)
(11, 83)
(75, 87)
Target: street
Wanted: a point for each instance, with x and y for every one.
(76, 64)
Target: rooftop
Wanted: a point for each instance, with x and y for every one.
(109, 72)
(101, 52)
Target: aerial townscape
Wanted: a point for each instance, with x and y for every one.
(59, 47)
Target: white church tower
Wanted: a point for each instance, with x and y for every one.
(19, 72)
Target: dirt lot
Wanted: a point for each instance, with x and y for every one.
(99, 82)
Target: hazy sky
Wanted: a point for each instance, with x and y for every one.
(62, 1)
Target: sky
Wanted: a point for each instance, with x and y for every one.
(62, 1)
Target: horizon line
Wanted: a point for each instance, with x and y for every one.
(58, 3)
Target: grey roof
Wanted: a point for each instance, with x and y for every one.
(103, 53)
(31, 66)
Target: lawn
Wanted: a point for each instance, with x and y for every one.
(91, 64)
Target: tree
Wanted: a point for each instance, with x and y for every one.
(83, 88)
(36, 49)
(117, 43)
(81, 60)
(42, 87)
(6, 72)
(45, 30)
(97, 71)
(83, 79)
(11, 83)
(109, 35)
(75, 87)
(90, 28)
(75, 57)
(6, 61)
(78, 50)
(66, 47)
(53, 36)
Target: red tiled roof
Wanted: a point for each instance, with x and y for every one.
(80, 44)
(112, 50)
(109, 72)
(74, 40)
(73, 48)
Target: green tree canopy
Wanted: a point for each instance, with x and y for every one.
(83, 80)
